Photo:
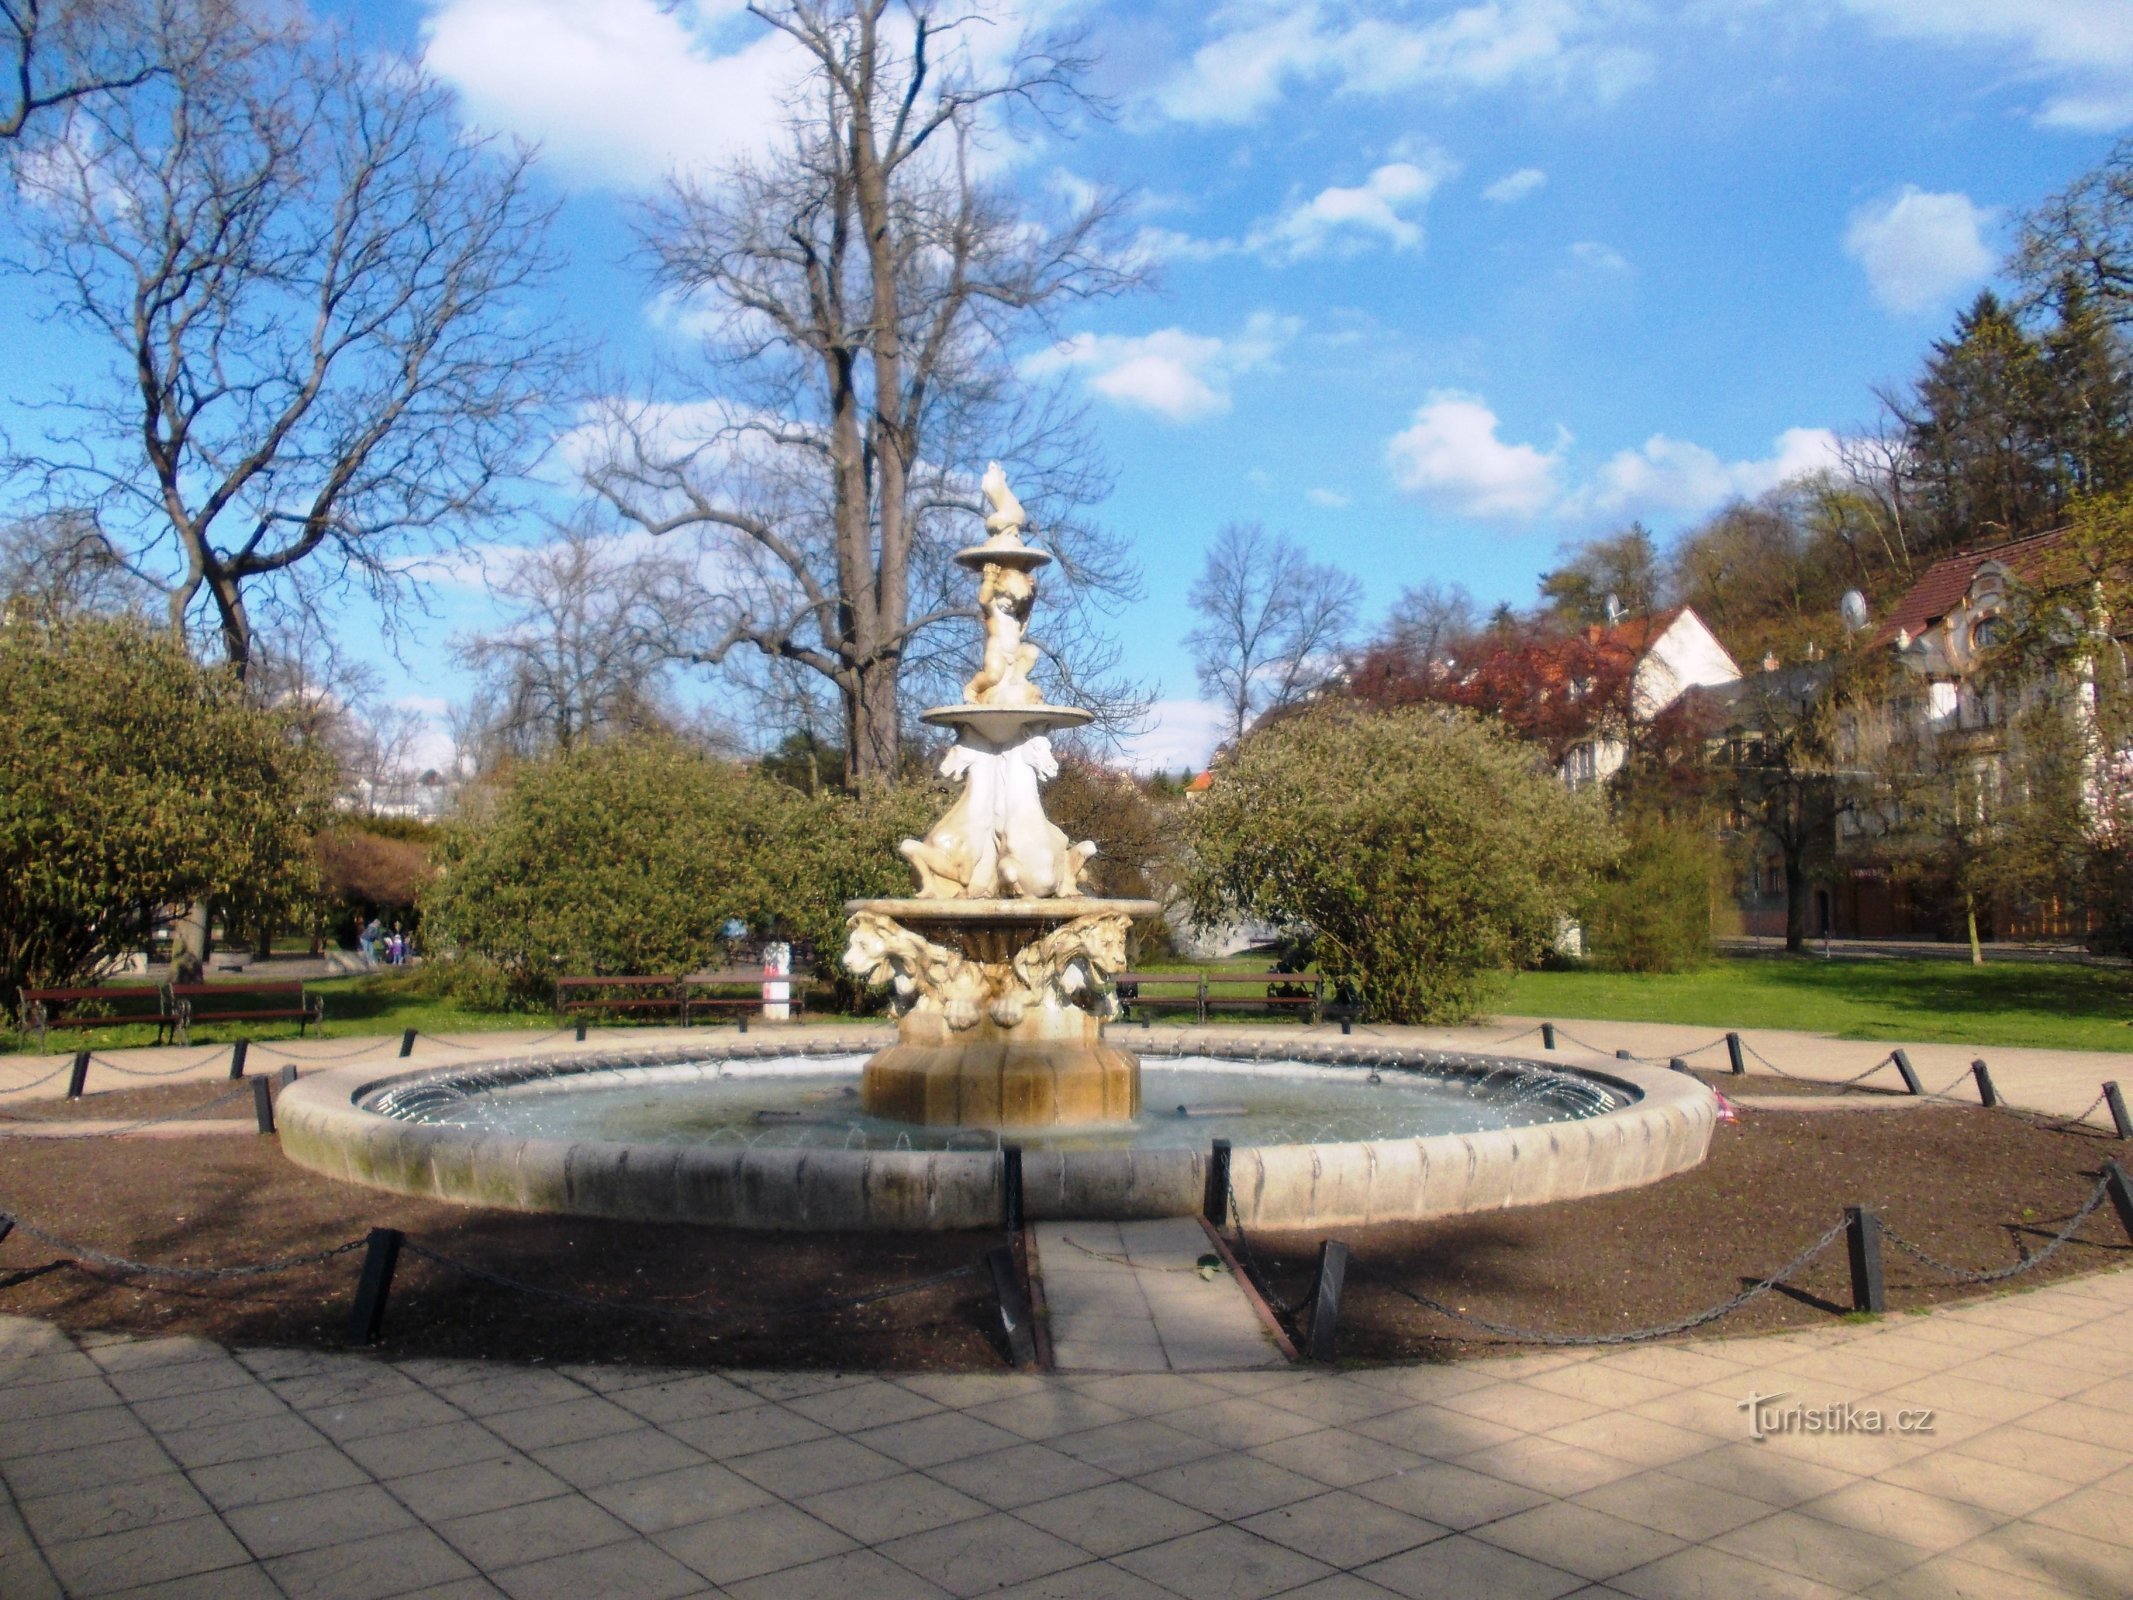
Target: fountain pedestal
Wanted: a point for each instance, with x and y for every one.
(1003, 1006)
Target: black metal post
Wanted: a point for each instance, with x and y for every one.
(1987, 1095)
(1216, 1206)
(1014, 1306)
(263, 1103)
(238, 1051)
(286, 1076)
(581, 1030)
(1547, 1036)
(1624, 1055)
(367, 1322)
(1678, 1064)
(7, 1226)
(2121, 1189)
(1863, 1237)
(2117, 1103)
(1347, 1022)
(1910, 1074)
(1326, 1298)
(744, 1021)
(1011, 1187)
(407, 1042)
(79, 1077)
(1733, 1056)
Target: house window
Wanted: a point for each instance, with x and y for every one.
(1773, 876)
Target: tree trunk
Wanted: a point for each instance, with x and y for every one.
(1977, 951)
(876, 749)
(1795, 904)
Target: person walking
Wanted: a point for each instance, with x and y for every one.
(367, 942)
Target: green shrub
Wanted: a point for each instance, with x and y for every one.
(1651, 910)
(631, 857)
(1423, 849)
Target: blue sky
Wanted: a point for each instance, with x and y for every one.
(1442, 286)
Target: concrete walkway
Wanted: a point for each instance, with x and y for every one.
(2002, 1467)
(1131, 1297)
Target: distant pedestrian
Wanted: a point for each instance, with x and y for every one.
(367, 942)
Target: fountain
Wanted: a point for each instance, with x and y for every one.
(999, 968)
(1000, 972)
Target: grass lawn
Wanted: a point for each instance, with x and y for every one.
(2044, 1004)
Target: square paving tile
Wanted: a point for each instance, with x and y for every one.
(851, 1576)
(92, 1510)
(2072, 1564)
(252, 1403)
(1231, 1486)
(368, 1569)
(564, 1422)
(1844, 1557)
(820, 1464)
(1050, 1413)
(933, 1440)
(1579, 1539)
(1456, 1497)
(283, 1477)
(615, 1457)
(1343, 1529)
(1097, 1580)
(738, 1433)
(367, 1419)
(284, 1527)
(747, 1544)
(636, 1569)
(1679, 1506)
(1021, 1475)
(1462, 1567)
(442, 1444)
(532, 1532)
(86, 1467)
(1223, 1564)
(1128, 1449)
(1114, 1517)
(1702, 1573)
(988, 1552)
(673, 1399)
(672, 1499)
(241, 1441)
(1239, 1424)
(890, 1508)
(1552, 1468)
(126, 1560)
(505, 1480)
(1338, 1458)
(867, 1405)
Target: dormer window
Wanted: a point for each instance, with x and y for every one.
(1988, 632)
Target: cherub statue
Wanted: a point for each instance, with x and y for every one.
(1005, 595)
(1006, 516)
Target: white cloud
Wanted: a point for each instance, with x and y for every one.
(1253, 59)
(1168, 244)
(1677, 477)
(1175, 374)
(1452, 457)
(1332, 499)
(618, 93)
(1920, 250)
(1385, 208)
(1598, 257)
(1180, 734)
(2083, 47)
(1513, 187)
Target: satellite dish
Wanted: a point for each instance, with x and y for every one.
(1852, 608)
(1614, 609)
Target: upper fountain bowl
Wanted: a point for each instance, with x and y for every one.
(1002, 725)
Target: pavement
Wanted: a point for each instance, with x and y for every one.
(1153, 1296)
(1982, 1451)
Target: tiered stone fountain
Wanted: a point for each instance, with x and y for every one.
(1000, 968)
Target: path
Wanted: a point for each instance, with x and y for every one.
(1132, 1297)
(129, 1463)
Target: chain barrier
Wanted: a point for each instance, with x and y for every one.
(2002, 1274)
(329, 1055)
(1724, 1308)
(59, 1071)
(262, 1269)
(2080, 1120)
(681, 1313)
(244, 1088)
(1283, 1310)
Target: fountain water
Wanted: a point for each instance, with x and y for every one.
(999, 968)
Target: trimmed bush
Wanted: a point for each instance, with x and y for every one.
(1423, 850)
(1651, 910)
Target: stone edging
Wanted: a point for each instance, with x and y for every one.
(1667, 1130)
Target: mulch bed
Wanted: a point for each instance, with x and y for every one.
(1976, 1188)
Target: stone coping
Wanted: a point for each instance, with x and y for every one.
(325, 1128)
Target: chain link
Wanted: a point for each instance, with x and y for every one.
(1724, 1308)
(1257, 1273)
(113, 1132)
(123, 1070)
(2002, 1274)
(262, 1269)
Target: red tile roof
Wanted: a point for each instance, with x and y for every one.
(1940, 589)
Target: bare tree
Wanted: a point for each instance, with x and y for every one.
(1272, 621)
(1432, 619)
(594, 630)
(867, 290)
(312, 282)
(56, 52)
(60, 561)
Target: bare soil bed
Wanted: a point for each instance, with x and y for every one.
(1979, 1189)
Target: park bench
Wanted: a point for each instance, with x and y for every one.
(639, 995)
(713, 991)
(247, 1000)
(108, 1006)
(1143, 994)
(1277, 991)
